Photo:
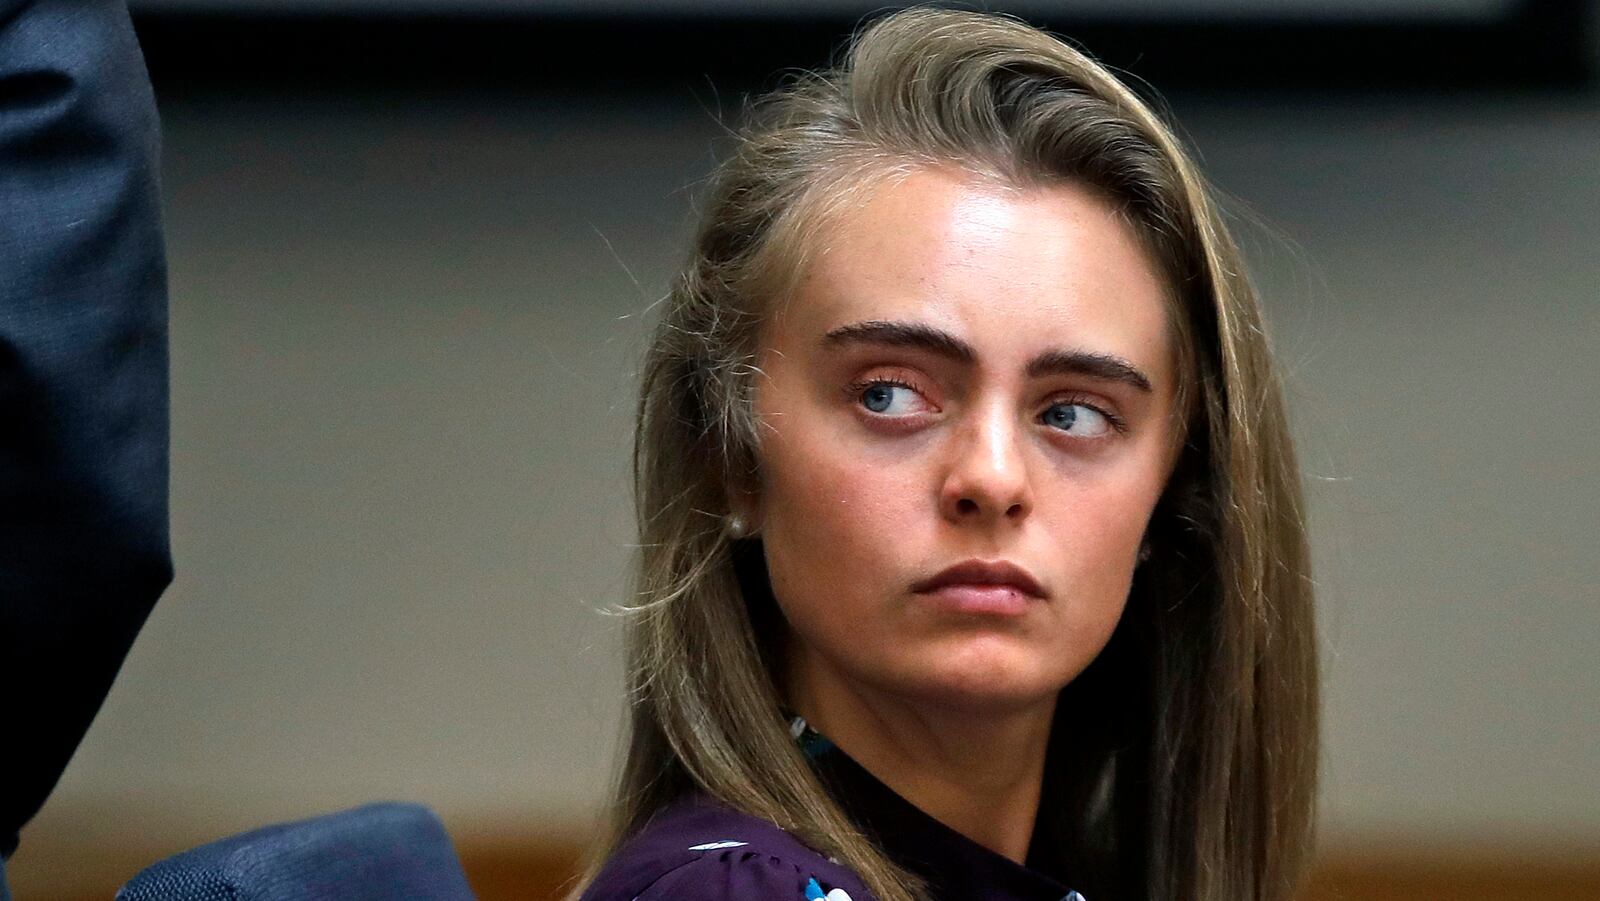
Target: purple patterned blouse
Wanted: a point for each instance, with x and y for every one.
(698, 849)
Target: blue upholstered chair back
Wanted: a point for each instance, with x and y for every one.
(380, 852)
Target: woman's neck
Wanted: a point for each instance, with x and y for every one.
(977, 771)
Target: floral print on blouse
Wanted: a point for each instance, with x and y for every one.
(698, 849)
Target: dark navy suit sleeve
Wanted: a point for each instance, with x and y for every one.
(83, 379)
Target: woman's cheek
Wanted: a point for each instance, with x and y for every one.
(834, 537)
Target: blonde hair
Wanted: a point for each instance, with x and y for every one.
(1191, 770)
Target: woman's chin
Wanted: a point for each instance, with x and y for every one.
(983, 677)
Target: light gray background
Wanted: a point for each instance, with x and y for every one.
(404, 333)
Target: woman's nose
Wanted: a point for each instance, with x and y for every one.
(987, 477)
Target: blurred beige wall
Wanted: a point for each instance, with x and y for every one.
(404, 333)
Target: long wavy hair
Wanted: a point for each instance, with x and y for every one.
(1190, 773)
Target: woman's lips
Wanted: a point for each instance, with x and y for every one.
(990, 600)
(991, 587)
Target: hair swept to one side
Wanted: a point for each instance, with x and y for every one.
(1191, 770)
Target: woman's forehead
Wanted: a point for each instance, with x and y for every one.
(1003, 268)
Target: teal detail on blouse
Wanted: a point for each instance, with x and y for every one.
(814, 893)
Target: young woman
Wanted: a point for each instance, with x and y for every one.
(973, 561)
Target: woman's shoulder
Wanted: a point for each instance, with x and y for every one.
(699, 849)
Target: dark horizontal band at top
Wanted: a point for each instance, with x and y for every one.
(1539, 45)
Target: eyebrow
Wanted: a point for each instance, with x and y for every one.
(1063, 361)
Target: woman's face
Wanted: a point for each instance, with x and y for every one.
(967, 375)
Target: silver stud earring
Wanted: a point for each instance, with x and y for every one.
(737, 526)
(1144, 551)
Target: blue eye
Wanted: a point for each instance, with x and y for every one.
(881, 397)
(1079, 420)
